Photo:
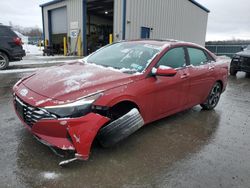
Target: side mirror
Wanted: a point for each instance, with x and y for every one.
(163, 71)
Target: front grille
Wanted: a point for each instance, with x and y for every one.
(30, 114)
(245, 61)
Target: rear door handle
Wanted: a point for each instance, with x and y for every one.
(211, 68)
(185, 75)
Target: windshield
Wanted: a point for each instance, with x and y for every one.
(126, 56)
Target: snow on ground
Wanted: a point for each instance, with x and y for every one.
(34, 60)
(34, 55)
(42, 61)
(18, 70)
(49, 175)
(32, 49)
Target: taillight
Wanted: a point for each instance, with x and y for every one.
(17, 41)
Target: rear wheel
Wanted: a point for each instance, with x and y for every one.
(4, 61)
(213, 97)
(232, 71)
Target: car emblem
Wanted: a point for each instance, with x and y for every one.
(24, 92)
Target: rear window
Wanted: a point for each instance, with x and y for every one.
(6, 31)
(197, 56)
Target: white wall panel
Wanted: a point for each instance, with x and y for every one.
(176, 19)
(117, 20)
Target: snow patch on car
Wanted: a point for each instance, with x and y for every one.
(223, 59)
(68, 148)
(62, 71)
(153, 47)
(57, 71)
(72, 88)
(126, 50)
(150, 60)
(43, 101)
(123, 70)
(73, 82)
(163, 67)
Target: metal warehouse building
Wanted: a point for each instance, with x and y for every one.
(92, 21)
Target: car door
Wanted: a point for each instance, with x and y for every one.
(200, 75)
(170, 92)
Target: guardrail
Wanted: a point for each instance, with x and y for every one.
(228, 50)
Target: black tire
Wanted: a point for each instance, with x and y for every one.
(213, 97)
(121, 128)
(232, 71)
(4, 61)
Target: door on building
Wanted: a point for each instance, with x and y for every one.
(99, 26)
(58, 28)
(145, 32)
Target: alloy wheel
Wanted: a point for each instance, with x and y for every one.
(3, 61)
(214, 95)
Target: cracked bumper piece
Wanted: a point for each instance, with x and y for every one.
(69, 134)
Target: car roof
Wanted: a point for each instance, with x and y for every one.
(164, 42)
(1, 25)
(167, 43)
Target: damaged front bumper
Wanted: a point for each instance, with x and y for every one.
(75, 134)
(68, 134)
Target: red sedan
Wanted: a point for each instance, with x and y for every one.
(116, 90)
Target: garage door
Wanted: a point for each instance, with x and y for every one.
(59, 20)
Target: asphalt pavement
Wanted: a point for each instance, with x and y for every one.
(194, 148)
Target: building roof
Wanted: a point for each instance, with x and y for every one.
(51, 3)
(199, 5)
(192, 1)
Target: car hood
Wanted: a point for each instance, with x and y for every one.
(71, 81)
(245, 53)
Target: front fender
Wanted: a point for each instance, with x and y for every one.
(124, 93)
(84, 132)
(114, 96)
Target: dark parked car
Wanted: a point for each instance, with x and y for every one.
(241, 62)
(10, 46)
(116, 90)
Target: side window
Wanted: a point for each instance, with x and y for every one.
(6, 31)
(2, 31)
(197, 56)
(174, 58)
(210, 58)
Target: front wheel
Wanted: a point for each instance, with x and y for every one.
(213, 97)
(120, 128)
(4, 61)
(232, 71)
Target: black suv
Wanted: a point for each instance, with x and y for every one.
(241, 62)
(10, 46)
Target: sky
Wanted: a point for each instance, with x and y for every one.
(228, 19)
(26, 13)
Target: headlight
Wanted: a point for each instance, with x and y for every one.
(242, 59)
(236, 57)
(76, 109)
